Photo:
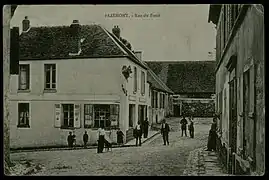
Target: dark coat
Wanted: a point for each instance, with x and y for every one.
(85, 138)
(165, 128)
(183, 123)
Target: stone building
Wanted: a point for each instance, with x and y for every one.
(240, 86)
(75, 78)
(193, 84)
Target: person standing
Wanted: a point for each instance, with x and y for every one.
(85, 139)
(120, 136)
(138, 135)
(191, 127)
(183, 123)
(165, 132)
(101, 139)
(146, 128)
(70, 140)
(74, 142)
(211, 144)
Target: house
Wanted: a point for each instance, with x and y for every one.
(193, 84)
(160, 102)
(75, 78)
(240, 86)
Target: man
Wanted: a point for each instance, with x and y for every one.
(101, 139)
(70, 140)
(183, 123)
(85, 139)
(74, 142)
(146, 128)
(138, 135)
(165, 131)
(191, 127)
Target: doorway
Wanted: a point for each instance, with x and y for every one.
(131, 115)
(177, 110)
(141, 113)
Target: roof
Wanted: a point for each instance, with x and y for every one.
(55, 42)
(156, 83)
(186, 76)
(214, 12)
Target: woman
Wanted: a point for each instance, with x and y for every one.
(211, 144)
(101, 139)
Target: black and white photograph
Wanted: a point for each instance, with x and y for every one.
(134, 90)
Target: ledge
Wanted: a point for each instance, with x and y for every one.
(49, 91)
(24, 90)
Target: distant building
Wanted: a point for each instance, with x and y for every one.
(74, 78)
(240, 86)
(193, 84)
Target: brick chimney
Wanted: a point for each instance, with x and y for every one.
(116, 31)
(138, 54)
(25, 24)
(75, 37)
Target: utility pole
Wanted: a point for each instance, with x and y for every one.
(8, 11)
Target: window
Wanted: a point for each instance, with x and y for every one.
(156, 100)
(88, 115)
(101, 116)
(50, 76)
(24, 77)
(142, 82)
(135, 79)
(23, 111)
(68, 115)
(161, 100)
(114, 116)
(153, 99)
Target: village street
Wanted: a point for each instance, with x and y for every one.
(152, 158)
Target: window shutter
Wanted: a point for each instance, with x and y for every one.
(57, 123)
(77, 116)
(252, 123)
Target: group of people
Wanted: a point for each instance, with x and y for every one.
(184, 123)
(139, 130)
(102, 139)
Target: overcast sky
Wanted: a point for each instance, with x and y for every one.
(181, 32)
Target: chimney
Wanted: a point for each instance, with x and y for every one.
(116, 31)
(25, 24)
(138, 55)
(75, 37)
(14, 50)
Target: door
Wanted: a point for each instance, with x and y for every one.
(177, 110)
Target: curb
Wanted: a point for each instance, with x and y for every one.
(76, 148)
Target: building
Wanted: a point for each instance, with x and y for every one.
(75, 78)
(240, 86)
(161, 103)
(193, 84)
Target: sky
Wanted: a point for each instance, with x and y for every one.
(177, 32)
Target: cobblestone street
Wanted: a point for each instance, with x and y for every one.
(152, 158)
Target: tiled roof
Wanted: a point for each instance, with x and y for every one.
(156, 82)
(186, 76)
(56, 42)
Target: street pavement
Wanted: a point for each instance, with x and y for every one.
(150, 159)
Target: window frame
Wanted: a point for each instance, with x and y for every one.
(63, 126)
(135, 80)
(143, 85)
(28, 76)
(51, 83)
(27, 123)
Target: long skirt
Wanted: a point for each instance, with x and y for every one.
(211, 144)
(101, 143)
